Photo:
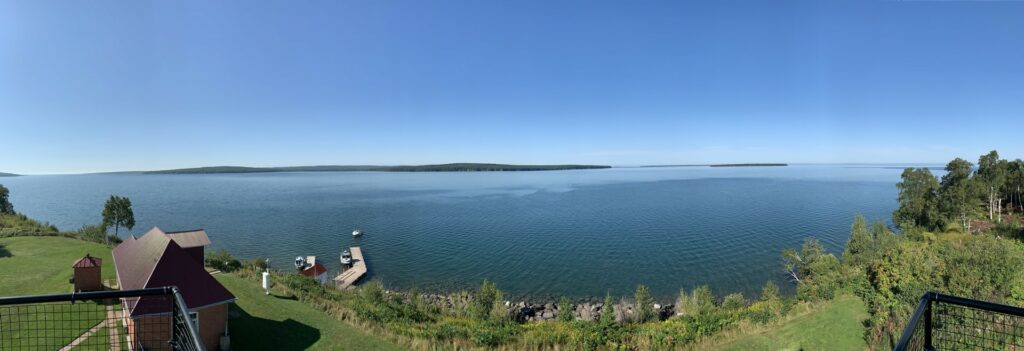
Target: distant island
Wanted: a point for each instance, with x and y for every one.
(448, 167)
(751, 165)
(2, 174)
(724, 165)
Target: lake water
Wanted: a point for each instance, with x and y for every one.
(576, 233)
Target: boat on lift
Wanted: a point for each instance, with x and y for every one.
(357, 232)
(346, 257)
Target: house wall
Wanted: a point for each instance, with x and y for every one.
(154, 331)
(212, 321)
(87, 279)
(198, 254)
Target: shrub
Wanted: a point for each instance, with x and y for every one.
(644, 305)
(222, 261)
(734, 302)
(565, 312)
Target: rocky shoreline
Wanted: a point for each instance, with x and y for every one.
(539, 312)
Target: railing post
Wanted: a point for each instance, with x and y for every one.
(928, 326)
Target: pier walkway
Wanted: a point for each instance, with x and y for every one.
(348, 278)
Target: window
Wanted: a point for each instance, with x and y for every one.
(194, 316)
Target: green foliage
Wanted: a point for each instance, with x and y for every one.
(117, 212)
(769, 307)
(258, 263)
(644, 305)
(565, 313)
(700, 300)
(958, 194)
(5, 204)
(223, 261)
(861, 244)
(487, 304)
(95, 233)
(918, 199)
(608, 312)
(816, 272)
(734, 302)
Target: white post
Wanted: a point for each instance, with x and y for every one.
(266, 282)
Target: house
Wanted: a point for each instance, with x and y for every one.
(156, 260)
(193, 241)
(315, 270)
(87, 273)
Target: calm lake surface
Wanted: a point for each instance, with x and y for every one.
(577, 233)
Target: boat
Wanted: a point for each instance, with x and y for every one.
(357, 232)
(300, 262)
(346, 257)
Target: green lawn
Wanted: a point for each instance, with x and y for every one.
(39, 266)
(42, 265)
(276, 322)
(835, 326)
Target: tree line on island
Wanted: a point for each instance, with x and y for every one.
(448, 167)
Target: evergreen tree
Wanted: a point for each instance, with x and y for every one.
(608, 311)
(860, 244)
(644, 305)
(5, 203)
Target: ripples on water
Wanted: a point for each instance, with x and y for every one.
(576, 233)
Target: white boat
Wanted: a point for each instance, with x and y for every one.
(300, 262)
(346, 257)
(357, 232)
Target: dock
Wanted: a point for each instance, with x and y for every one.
(348, 278)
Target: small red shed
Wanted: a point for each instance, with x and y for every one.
(87, 273)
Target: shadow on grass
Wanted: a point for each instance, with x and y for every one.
(4, 252)
(254, 333)
(289, 297)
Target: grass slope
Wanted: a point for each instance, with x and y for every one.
(275, 322)
(42, 265)
(835, 325)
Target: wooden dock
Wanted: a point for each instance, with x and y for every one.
(348, 278)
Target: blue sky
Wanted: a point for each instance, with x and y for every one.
(137, 85)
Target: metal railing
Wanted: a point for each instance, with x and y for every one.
(944, 322)
(97, 321)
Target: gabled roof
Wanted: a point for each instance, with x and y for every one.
(315, 270)
(154, 260)
(88, 262)
(190, 238)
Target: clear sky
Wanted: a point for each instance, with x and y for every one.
(138, 85)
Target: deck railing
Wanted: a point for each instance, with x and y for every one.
(944, 322)
(95, 321)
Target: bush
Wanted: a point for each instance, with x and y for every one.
(565, 312)
(644, 305)
(223, 261)
(734, 302)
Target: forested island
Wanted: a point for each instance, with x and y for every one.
(2, 174)
(447, 167)
(750, 165)
(724, 165)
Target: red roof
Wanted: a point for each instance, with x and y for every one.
(314, 271)
(154, 260)
(88, 262)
